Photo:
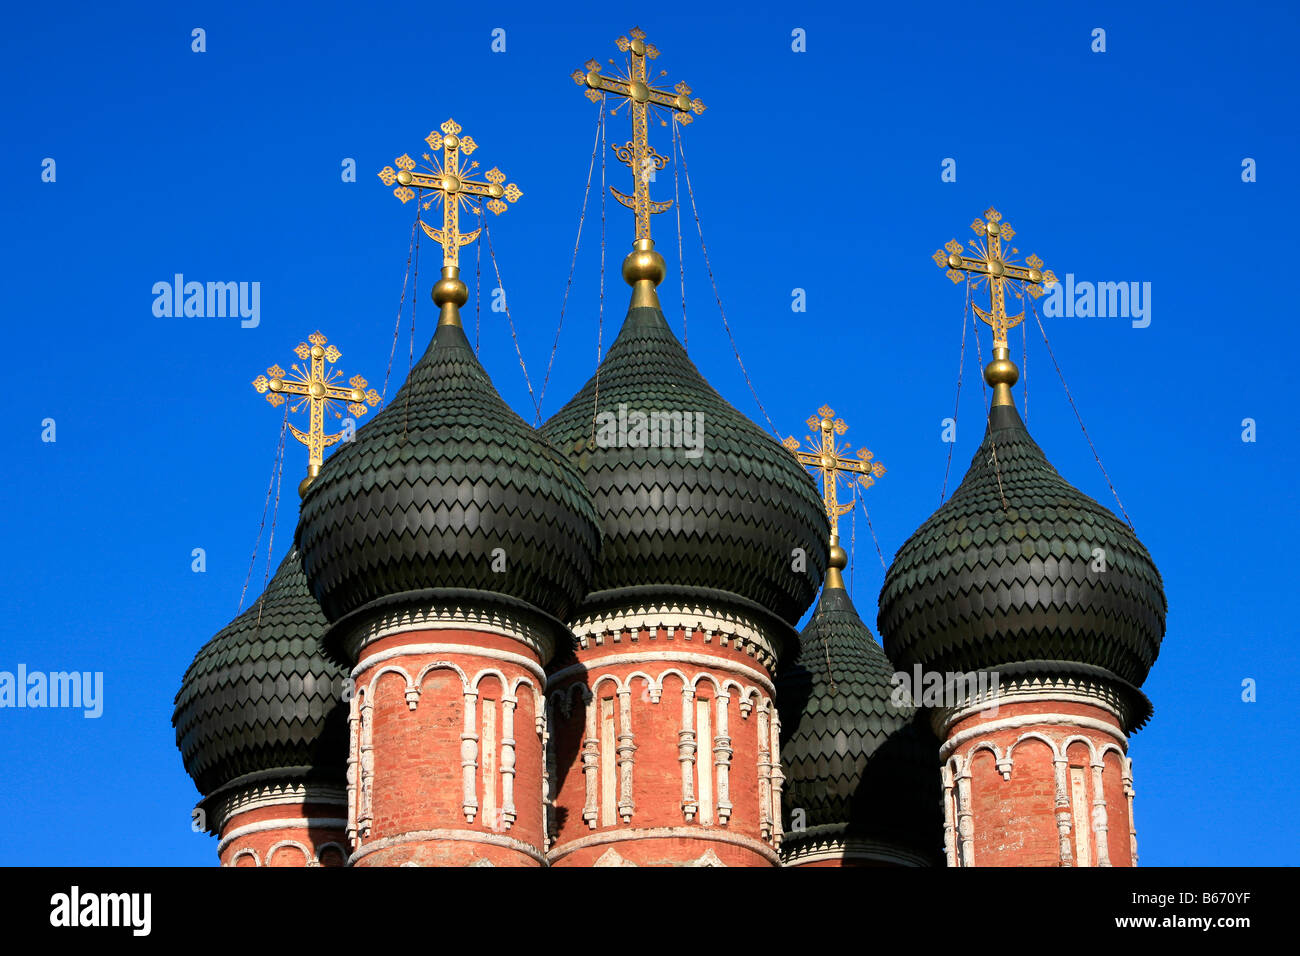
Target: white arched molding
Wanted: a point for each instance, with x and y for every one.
(747, 697)
(246, 851)
(308, 857)
(956, 777)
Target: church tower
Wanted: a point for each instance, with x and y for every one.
(446, 544)
(259, 717)
(664, 733)
(1022, 576)
(860, 781)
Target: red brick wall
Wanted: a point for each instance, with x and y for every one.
(1014, 819)
(264, 847)
(658, 833)
(417, 783)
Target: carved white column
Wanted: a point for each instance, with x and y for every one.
(949, 824)
(354, 728)
(1099, 823)
(778, 775)
(590, 762)
(722, 759)
(1132, 826)
(469, 756)
(508, 761)
(686, 753)
(1060, 767)
(626, 748)
(366, 816)
(764, 776)
(965, 820)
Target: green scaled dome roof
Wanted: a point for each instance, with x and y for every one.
(429, 489)
(727, 520)
(857, 763)
(261, 698)
(979, 587)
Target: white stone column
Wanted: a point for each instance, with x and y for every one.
(686, 748)
(508, 761)
(469, 756)
(626, 749)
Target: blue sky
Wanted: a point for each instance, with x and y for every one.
(816, 170)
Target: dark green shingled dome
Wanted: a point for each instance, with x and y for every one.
(856, 763)
(979, 586)
(430, 488)
(727, 519)
(261, 698)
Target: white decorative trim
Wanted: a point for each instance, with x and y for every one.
(261, 796)
(1032, 690)
(612, 857)
(286, 823)
(448, 836)
(665, 833)
(495, 619)
(745, 633)
(583, 669)
(820, 849)
(1028, 720)
(414, 650)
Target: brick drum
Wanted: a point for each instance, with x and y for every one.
(445, 765)
(664, 753)
(1039, 783)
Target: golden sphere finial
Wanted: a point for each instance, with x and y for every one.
(1001, 371)
(839, 558)
(450, 289)
(644, 263)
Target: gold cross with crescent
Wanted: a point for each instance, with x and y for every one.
(639, 154)
(451, 186)
(318, 387)
(826, 456)
(996, 266)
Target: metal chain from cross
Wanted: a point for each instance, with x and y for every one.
(996, 266)
(449, 181)
(824, 455)
(317, 386)
(638, 153)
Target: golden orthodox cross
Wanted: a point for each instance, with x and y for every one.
(449, 180)
(825, 456)
(317, 386)
(997, 267)
(639, 154)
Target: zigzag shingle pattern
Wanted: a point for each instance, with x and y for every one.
(260, 697)
(728, 520)
(977, 586)
(438, 480)
(853, 757)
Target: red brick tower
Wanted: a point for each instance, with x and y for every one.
(446, 543)
(664, 737)
(260, 724)
(1027, 582)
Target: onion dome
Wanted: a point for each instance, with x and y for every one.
(858, 763)
(1008, 575)
(261, 701)
(692, 495)
(447, 489)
